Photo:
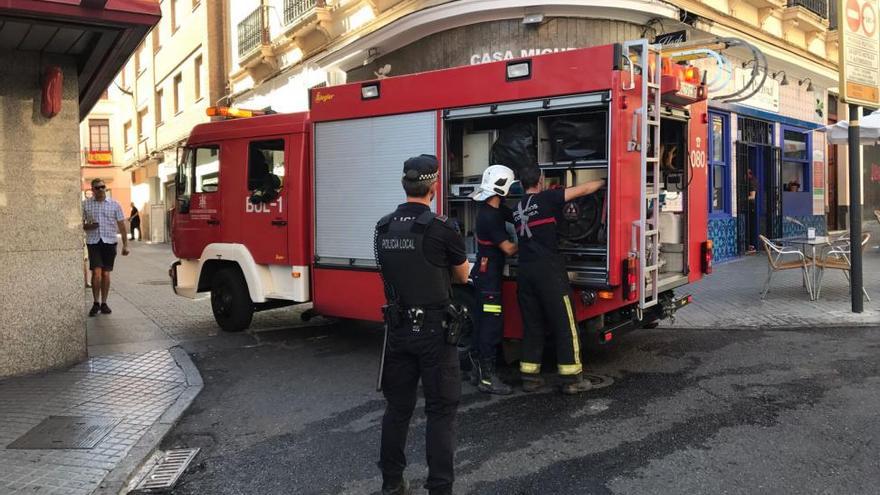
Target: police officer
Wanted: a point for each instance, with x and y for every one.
(493, 244)
(543, 288)
(420, 255)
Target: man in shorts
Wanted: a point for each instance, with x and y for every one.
(102, 220)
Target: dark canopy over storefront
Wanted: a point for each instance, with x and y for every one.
(99, 34)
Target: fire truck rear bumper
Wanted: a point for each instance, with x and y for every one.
(603, 332)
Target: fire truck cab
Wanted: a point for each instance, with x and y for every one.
(280, 209)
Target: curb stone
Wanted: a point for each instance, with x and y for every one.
(116, 482)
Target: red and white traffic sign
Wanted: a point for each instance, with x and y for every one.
(859, 52)
(869, 20)
(853, 15)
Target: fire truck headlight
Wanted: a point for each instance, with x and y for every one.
(370, 91)
(519, 70)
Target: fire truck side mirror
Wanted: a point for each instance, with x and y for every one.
(183, 205)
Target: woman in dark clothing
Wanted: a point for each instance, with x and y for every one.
(135, 221)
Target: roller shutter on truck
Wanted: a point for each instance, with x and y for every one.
(358, 167)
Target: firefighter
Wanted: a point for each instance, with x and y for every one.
(493, 245)
(420, 255)
(543, 291)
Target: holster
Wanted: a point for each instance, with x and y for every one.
(456, 316)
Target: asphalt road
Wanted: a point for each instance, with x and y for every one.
(690, 411)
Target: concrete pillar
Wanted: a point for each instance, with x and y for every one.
(42, 324)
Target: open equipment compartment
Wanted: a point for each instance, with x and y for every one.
(568, 137)
(676, 174)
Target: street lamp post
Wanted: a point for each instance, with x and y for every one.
(855, 211)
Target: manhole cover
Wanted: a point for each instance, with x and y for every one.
(156, 282)
(598, 381)
(165, 474)
(66, 432)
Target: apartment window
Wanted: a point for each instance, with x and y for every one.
(174, 16)
(719, 163)
(141, 118)
(127, 138)
(197, 84)
(178, 96)
(796, 153)
(99, 135)
(157, 43)
(158, 105)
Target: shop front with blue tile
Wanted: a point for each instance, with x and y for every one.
(765, 178)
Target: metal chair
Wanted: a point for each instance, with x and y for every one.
(837, 258)
(776, 263)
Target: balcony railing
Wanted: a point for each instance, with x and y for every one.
(253, 31)
(832, 15)
(296, 9)
(97, 156)
(818, 7)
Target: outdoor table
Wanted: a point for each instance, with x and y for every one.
(811, 243)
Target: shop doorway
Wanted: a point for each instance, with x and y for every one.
(831, 173)
(759, 186)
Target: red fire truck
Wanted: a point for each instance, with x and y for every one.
(280, 209)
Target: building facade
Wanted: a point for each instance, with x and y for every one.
(160, 94)
(100, 155)
(55, 61)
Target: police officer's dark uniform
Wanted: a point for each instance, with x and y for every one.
(416, 250)
(487, 274)
(543, 292)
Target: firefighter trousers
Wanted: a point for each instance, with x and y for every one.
(544, 296)
(489, 329)
(412, 356)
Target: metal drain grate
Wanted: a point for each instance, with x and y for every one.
(164, 475)
(66, 432)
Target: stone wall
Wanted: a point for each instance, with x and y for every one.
(42, 324)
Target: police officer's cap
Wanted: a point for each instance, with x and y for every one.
(420, 168)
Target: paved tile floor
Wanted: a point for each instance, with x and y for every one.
(730, 297)
(136, 387)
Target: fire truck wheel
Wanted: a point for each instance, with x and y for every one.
(230, 300)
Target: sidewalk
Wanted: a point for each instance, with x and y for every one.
(132, 390)
(144, 393)
(730, 297)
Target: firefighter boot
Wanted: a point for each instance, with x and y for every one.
(532, 383)
(489, 381)
(399, 488)
(476, 373)
(576, 385)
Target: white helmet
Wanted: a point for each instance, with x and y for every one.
(497, 180)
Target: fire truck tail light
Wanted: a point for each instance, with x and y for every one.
(606, 294)
(370, 91)
(519, 70)
(630, 278)
(296, 274)
(707, 255)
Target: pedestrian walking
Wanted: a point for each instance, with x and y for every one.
(420, 255)
(543, 288)
(493, 246)
(102, 220)
(134, 219)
